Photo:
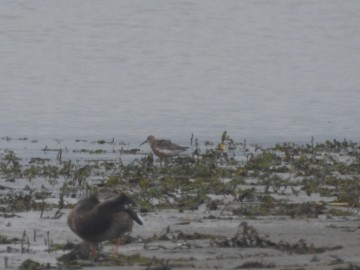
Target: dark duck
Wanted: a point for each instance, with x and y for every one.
(96, 222)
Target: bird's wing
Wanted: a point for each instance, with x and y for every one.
(169, 145)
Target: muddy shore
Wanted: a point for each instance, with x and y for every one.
(233, 207)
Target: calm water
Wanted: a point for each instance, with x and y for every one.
(262, 70)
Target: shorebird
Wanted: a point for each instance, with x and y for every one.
(164, 148)
(96, 222)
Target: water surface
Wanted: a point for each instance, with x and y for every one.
(263, 70)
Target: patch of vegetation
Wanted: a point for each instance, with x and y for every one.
(338, 212)
(248, 265)
(307, 209)
(34, 265)
(247, 236)
(5, 240)
(348, 267)
(29, 265)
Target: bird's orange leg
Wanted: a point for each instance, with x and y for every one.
(93, 250)
(117, 247)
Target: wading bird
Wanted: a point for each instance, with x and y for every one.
(164, 148)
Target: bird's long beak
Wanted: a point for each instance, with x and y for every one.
(143, 143)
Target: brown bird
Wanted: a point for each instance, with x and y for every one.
(164, 148)
(96, 222)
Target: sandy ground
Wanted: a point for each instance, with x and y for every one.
(200, 253)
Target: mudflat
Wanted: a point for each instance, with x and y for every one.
(222, 205)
